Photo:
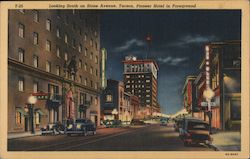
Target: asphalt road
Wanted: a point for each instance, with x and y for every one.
(137, 138)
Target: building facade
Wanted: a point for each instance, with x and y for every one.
(220, 70)
(115, 98)
(140, 79)
(189, 92)
(55, 53)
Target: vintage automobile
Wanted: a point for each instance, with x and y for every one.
(137, 122)
(81, 126)
(195, 131)
(113, 123)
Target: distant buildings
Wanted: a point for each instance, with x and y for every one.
(220, 70)
(140, 79)
(118, 104)
(55, 53)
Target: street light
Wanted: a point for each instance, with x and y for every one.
(209, 94)
(114, 112)
(31, 101)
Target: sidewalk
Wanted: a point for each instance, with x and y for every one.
(22, 135)
(226, 141)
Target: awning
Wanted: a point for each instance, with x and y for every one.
(20, 110)
(40, 112)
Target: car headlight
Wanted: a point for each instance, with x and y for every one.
(70, 126)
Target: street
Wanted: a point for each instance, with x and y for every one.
(136, 138)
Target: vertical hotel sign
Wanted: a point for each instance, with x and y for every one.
(207, 68)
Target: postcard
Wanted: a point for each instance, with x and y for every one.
(124, 79)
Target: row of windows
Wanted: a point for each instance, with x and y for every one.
(21, 58)
(48, 43)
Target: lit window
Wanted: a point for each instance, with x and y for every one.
(85, 66)
(80, 64)
(85, 52)
(35, 61)
(147, 81)
(109, 98)
(80, 48)
(58, 70)
(85, 37)
(48, 66)
(36, 16)
(66, 56)
(35, 87)
(35, 38)
(66, 38)
(96, 59)
(127, 76)
(21, 84)
(148, 101)
(57, 51)
(48, 24)
(147, 95)
(21, 30)
(91, 70)
(48, 45)
(127, 86)
(85, 81)
(91, 42)
(147, 91)
(18, 118)
(21, 55)
(58, 32)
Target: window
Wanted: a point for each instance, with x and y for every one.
(21, 29)
(80, 48)
(96, 59)
(21, 84)
(35, 38)
(85, 81)
(48, 66)
(96, 72)
(147, 81)
(91, 42)
(96, 85)
(37, 118)
(91, 83)
(147, 95)
(148, 101)
(58, 70)
(80, 79)
(91, 56)
(109, 98)
(96, 100)
(35, 61)
(57, 51)
(85, 66)
(91, 99)
(48, 45)
(85, 37)
(20, 55)
(66, 38)
(80, 64)
(91, 70)
(36, 16)
(48, 24)
(85, 52)
(35, 87)
(18, 118)
(58, 32)
(66, 56)
(96, 46)
(147, 91)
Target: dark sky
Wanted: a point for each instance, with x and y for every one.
(177, 45)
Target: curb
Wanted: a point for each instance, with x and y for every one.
(18, 137)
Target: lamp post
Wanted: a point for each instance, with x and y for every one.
(31, 101)
(209, 94)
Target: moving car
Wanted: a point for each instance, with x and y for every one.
(81, 126)
(195, 131)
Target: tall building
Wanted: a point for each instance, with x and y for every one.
(56, 54)
(140, 79)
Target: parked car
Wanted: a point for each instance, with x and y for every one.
(81, 126)
(195, 131)
(113, 123)
(137, 122)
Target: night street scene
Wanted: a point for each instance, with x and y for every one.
(124, 80)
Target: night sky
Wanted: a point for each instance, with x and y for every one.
(177, 45)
